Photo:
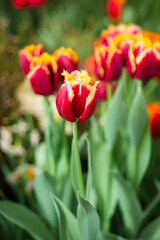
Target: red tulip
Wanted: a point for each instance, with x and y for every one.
(44, 75)
(26, 55)
(114, 9)
(67, 60)
(25, 3)
(108, 63)
(143, 59)
(154, 118)
(77, 97)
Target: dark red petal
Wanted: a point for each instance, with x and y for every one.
(40, 81)
(81, 93)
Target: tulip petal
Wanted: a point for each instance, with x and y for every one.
(25, 59)
(148, 63)
(64, 102)
(114, 66)
(40, 80)
(81, 93)
(90, 103)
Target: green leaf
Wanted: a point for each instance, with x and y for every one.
(25, 219)
(129, 204)
(68, 225)
(89, 176)
(109, 236)
(88, 219)
(152, 231)
(140, 141)
(115, 113)
(100, 159)
(43, 186)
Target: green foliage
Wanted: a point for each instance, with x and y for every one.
(25, 219)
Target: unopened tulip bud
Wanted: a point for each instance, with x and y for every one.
(77, 97)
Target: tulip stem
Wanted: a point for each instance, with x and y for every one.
(109, 91)
(78, 162)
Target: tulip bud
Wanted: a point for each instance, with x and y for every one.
(67, 60)
(77, 97)
(44, 75)
(143, 59)
(26, 55)
(108, 63)
(154, 118)
(114, 9)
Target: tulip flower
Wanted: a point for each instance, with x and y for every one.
(77, 97)
(108, 63)
(67, 60)
(154, 118)
(26, 3)
(108, 34)
(143, 59)
(43, 75)
(26, 55)
(114, 9)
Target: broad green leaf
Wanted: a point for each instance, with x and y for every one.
(138, 118)
(82, 140)
(140, 141)
(109, 236)
(101, 155)
(129, 204)
(68, 225)
(89, 176)
(43, 186)
(115, 113)
(88, 219)
(25, 219)
(152, 231)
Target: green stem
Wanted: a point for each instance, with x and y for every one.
(49, 138)
(109, 91)
(78, 162)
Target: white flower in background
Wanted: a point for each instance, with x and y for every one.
(25, 172)
(20, 128)
(5, 138)
(34, 137)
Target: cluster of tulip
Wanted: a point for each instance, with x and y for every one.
(128, 46)
(77, 97)
(27, 3)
